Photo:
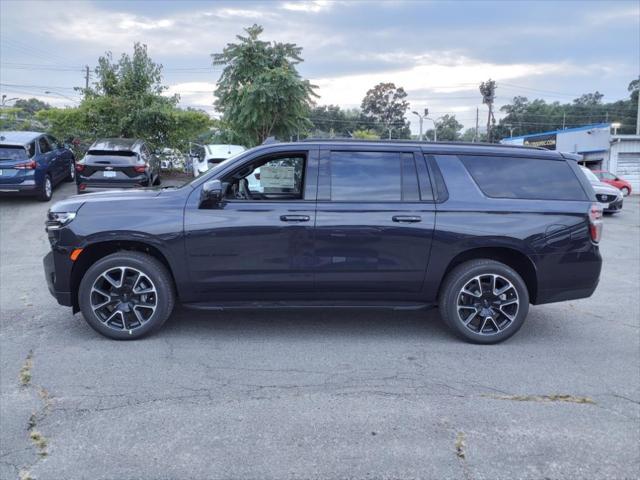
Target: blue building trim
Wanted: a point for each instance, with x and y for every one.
(593, 151)
(574, 129)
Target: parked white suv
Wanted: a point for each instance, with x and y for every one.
(215, 154)
(609, 197)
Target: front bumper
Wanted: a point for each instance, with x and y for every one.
(58, 278)
(614, 206)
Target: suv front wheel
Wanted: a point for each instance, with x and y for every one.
(126, 295)
(484, 301)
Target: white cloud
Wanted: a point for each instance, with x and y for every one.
(310, 6)
(438, 77)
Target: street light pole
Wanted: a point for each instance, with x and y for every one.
(421, 117)
(435, 128)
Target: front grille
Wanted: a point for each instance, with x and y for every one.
(604, 198)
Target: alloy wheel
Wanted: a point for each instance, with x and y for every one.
(48, 188)
(488, 304)
(123, 298)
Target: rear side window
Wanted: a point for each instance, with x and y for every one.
(528, 178)
(366, 176)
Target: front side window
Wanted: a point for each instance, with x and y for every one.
(526, 178)
(366, 176)
(53, 141)
(44, 145)
(280, 178)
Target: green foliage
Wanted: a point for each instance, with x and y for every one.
(31, 105)
(331, 121)
(127, 101)
(366, 135)
(260, 92)
(533, 116)
(448, 128)
(385, 106)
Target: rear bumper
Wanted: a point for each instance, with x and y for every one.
(18, 188)
(58, 278)
(567, 276)
(88, 186)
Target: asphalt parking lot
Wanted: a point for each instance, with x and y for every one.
(326, 394)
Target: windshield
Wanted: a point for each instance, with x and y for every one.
(590, 175)
(9, 152)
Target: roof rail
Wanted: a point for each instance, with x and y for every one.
(420, 142)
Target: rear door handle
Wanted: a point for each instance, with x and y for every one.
(295, 218)
(407, 218)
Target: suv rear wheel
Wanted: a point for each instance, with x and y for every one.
(126, 295)
(46, 189)
(484, 301)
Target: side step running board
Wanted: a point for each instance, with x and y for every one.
(263, 305)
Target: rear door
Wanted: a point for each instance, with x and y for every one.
(373, 223)
(48, 157)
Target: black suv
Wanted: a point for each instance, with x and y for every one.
(117, 163)
(479, 230)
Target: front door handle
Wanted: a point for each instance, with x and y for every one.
(295, 218)
(407, 218)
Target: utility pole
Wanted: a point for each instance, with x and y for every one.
(86, 77)
(564, 117)
(476, 138)
(488, 91)
(638, 116)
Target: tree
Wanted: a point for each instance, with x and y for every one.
(260, 92)
(365, 135)
(31, 105)
(533, 116)
(384, 107)
(488, 91)
(448, 128)
(126, 101)
(331, 121)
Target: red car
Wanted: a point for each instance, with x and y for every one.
(611, 179)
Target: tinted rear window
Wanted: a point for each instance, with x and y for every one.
(12, 153)
(529, 178)
(365, 176)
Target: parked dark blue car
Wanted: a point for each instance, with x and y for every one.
(33, 163)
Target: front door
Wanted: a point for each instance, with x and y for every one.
(258, 242)
(374, 223)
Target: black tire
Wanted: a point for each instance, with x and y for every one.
(507, 320)
(625, 191)
(71, 177)
(153, 270)
(46, 189)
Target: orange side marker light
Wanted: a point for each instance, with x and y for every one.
(75, 254)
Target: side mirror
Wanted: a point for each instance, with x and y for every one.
(211, 194)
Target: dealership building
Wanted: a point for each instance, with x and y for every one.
(600, 149)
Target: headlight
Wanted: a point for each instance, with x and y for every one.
(57, 220)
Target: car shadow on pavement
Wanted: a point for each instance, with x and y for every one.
(305, 323)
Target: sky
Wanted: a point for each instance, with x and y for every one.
(437, 51)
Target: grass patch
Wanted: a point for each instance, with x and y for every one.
(460, 446)
(543, 398)
(25, 371)
(39, 441)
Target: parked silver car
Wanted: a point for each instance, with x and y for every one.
(609, 197)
